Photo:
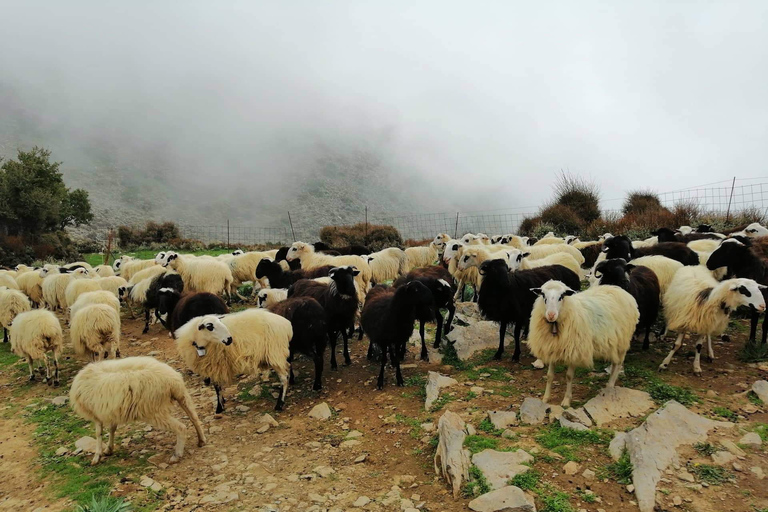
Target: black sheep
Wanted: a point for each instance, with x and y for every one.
(439, 281)
(506, 297)
(621, 247)
(590, 253)
(742, 261)
(279, 278)
(669, 235)
(281, 256)
(338, 299)
(357, 250)
(179, 309)
(169, 281)
(310, 333)
(388, 317)
(641, 282)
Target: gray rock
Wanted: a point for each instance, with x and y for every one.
(351, 443)
(451, 459)
(88, 444)
(503, 419)
(614, 403)
(555, 413)
(571, 468)
(60, 400)
(723, 458)
(589, 475)
(618, 445)
(361, 502)
(758, 472)
(267, 419)
(468, 312)
(652, 446)
(435, 383)
(324, 471)
(572, 424)
(477, 336)
(506, 499)
(320, 412)
(761, 390)
(533, 411)
(731, 447)
(499, 467)
(578, 416)
(751, 440)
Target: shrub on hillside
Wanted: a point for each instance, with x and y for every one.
(580, 195)
(528, 225)
(376, 236)
(641, 201)
(562, 219)
(412, 242)
(152, 233)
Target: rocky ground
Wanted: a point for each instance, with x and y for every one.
(351, 447)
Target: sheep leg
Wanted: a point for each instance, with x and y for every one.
(424, 353)
(459, 295)
(678, 343)
(359, 333)
(615, 371)
(56, 368)
(180, 430)
(753, 320)
(31, 368)
(369, 356)
(291, 378)
(146, 321)
(283, 376)
(318, 385)
(710, 352)
(47, 370)
(550, 378)
(516, 354)
(97, 455)
(380, 381)
(647, 340)
(5, 335)
(347, 360)
(219, 399)
(475, 295)
(439, 331)
(502, 331)
(569, 384)
(111, 443)
(190, 410)
(765, 324)
(333, 335)
(697, 357)
(449, 323)
(396, 361)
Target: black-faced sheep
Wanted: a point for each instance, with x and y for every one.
(221, 348)
(113, 393)
(574, 329)
(312, 260)
(621, 247)
(279, 278)
(388, 317)
(33, 334)
(175, 309)
(310, 334)
(201, 275)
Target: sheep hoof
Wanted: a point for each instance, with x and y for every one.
(347, 361)
(56, 384)
(32, 377)
(207, 381)
(317, 387)
(497, 356)
(108, 451)
(49, 382)
(174, 459)
(697, 373)
(709, 359)
(219, 409)
(145, 331)
(662, 367)
(565, 404)
(95, 460)
(201, 443)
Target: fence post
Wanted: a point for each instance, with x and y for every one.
(728, 213)
(293, 233)
(365, 240)
(228, 246)
(456, 229)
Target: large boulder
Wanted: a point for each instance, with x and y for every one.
(761, 390)
(614, 403)
(506, 499)
(653, 446)
(435, 383)
(500, 467)
(451, 458)
(475, 337)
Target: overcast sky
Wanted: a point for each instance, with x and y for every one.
(651, 94)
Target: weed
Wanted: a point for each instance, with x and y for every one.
(477, 444)
(662, 392)
(587, 496)
(704, 449)
(441, 402)
(754, 352)
(761, 429)
(470, 396)
(712, 475)
(477, 485)
(7, 358)
(725, 413)
(487, 427)
(105, 504)
(452, 358)
(621, 470)
(526, 481)
(555, 501)
(752, 397)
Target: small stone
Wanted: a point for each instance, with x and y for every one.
(588, 475)
(215, 429)
(502, 419)
(262, 429)
(427, 427)
(731, 447)
(242, 408)
(268, 420)
(508, 434)
(685, 476)
(354, 434)
(350, 444)
(507, 499)
(571, 468)
(324, 471)
(146, 481)
(723, 458)
(758, 472)
(361, 502)
(630, 488)
(477, 390)
(578, 415)
(751, 440)
(738, 467)
(60, 400)
(156, 487)
(566, 423)
(88, 444)
(533, 411)
(471, 430)
(677, 501)
(320, 412)
(361, 458)
(62, 451)
(555, 413)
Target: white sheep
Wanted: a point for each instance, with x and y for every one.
(243, 267)
(474, 256)
(421, 256)
(468, 276)
(111, 284)
(98, 297)
(221, 348)
(12, 302)
(754, 230)
(32, 285)
(470, 239)
(78, 285)
(54, 287)
(542, 251)
(697, 303)
(270, 296)
(552, 240)
(103, 271)
(129, 267)
(23, 269)
(519, 260)
(8, 281)
(387, 264)
(664, 268)
(95, 331)
(310, 259)
(147, 273)
(648, 242)
(34, 334)
(704, 245)
(113, 393)
(201, 275)
(574, 329)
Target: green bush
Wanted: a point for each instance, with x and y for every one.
(373, 236)
(563, 219)
(641, 201)
(152, 233)
(580, 195)
(528, 225)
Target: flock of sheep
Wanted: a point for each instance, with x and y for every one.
(310, 294)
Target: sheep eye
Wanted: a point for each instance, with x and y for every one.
(561, 298)
(209, 327)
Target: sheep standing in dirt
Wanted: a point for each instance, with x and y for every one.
(33, 335)
(98, 297)
(221, 348)
(576, 328)
(112, 393)
(95, 330)
(697, 303)
(202, 275)
(31, 284)
(387, 264)
(78, 285)
(12, 302)
(311, 260)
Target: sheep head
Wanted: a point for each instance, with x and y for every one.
(210, 330)
(553, 293)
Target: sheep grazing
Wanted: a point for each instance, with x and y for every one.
(99, 297)
(95, 330)
(641, 282)
(621, 247)
(31, 284)
(175, 309)
(421, 256)
(221, 348)
(506, 297)
(697, 303)
(33, 335)
(12, 303)
(439, 281)
(311, 260)
(574, 329)
(280, 278)
(741, 261)
(388, 317)
(310, 334)
(201, 275)
(387, 264)
(338, 299)
(270, 296)
(113, 393)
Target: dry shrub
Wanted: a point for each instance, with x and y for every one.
(152, 233)
(641, 201)
(376, 236)
(563, 220)
(578, 194)
(412, 242)
(528, 226)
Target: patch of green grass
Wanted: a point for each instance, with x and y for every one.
(477, 484)
(526, 481)
(95, 258)
(555, 501)
(476, 444)
(7, 358)
(265, 392)
(725, 413)
(621, 470)
(754, 352)
(566, 442)
(418, 386)
(105, 504)
(704, 449)
(660, 391)
(441, 402)
(487, 427)
(491, 373)
(471, 395)
(587, 496)
(752, 397)
(451, 357)
(761, 429)
(712, 475)
(414, 423)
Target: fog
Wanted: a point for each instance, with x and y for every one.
(480, 104)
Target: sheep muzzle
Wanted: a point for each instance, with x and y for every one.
(553, 328)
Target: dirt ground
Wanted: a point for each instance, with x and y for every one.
(305, 464)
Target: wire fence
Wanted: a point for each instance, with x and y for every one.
(725, 197)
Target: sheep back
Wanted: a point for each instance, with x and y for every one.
(35, 332)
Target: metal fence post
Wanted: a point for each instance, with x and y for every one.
(456, 229)
(728, 213)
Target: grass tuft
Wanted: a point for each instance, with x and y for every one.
(704, 449)
(621, 470)
(712, 475)
(105, 504)
(477, 484)
(725, 413)
(527, 481)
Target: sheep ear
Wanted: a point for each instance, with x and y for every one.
(355, 271)
(201, 327)
(761, 287)
(537, 291)
(525, 255)
(569, 292)
(630, 267)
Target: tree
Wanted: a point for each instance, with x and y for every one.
(34, 198)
